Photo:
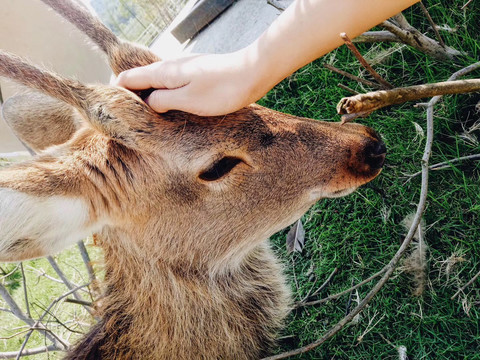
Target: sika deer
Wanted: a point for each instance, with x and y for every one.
(183, 205)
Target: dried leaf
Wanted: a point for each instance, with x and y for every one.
(296, 237)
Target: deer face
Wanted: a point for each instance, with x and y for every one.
(220, 185)
(177, 185)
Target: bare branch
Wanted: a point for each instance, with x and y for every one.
(401, 20)
(375, 100)
(79, 302)
(350, 76)
(376, 36)
(447, 164)
(434, 26)
(411, 36)
(65, 280)
(15, 310)
(466, 4)
(25, 293)
(28, 352)
(470, 282)
(277, 4)
(344, 292)
(325, 283)
(88, 264)
(385, 84)
(346, 88)
(45, 313)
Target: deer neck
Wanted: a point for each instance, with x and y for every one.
(154, 310)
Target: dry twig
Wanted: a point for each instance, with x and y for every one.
(352, 77)
(466, 4)
(376, 36)
(344, 87)
(45, 313)
(385, 84)
(411, 36)
(28, 352)
(374, 100)
(470, 282)
(15, 310)
(447, 164)
(434, 26)
(344, 292)
(326, 282)
(65, 280)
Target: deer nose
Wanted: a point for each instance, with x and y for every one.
(375, 154)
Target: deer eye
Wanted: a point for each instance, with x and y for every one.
(220, 168)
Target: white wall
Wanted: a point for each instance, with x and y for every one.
(28, 28)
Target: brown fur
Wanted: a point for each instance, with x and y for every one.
(189, 274)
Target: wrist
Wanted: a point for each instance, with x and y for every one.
(254, 75)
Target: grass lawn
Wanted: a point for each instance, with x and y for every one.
(360, 233)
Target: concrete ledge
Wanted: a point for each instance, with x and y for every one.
(238, 26)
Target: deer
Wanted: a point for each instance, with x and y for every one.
(182, 205)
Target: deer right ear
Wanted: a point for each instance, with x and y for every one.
(39, 215)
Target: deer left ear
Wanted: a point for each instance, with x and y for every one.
(33, 226)
(41, 214)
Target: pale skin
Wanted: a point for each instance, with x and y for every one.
(218, 84)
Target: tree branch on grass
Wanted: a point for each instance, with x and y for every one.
(28, 352)
(414, 38)
(384, 84)
(434, 26)
(25, 293)
(376, 36)
(325, 284)
(88, 264)
(344, 292)
(371, 101)
(470, 282)
(65, 280)
(45, 313)
(17, 312)
(352, 77)
(466, 4)
(447, 164)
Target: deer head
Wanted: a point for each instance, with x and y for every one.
(186, 189)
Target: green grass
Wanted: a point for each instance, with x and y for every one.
(360, 233)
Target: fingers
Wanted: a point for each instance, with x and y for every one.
(159, 75)
(140, 78)
(181, 99)
(164, 100)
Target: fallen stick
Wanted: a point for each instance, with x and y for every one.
(384, 83)
(411, 36)
(470, 282)
(351, 76)
(365, 103)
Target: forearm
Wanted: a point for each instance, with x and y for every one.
(307, 30)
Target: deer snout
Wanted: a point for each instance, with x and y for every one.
(375, 153)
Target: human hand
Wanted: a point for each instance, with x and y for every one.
(205, 85)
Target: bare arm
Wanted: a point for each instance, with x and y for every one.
(219, 84)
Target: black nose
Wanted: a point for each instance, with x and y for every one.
(375, 154)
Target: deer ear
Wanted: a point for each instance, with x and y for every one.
(37, 216)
